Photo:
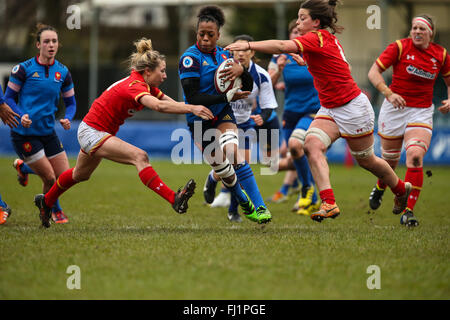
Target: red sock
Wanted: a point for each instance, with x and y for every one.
(381, 184)
(327, 196)
(64, 182)
(415, 176)
(399, 189)
(150, 178)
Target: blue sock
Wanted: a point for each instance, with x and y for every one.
(225, 190)
(248, 182)
(236, 192)
(24, 168)
(233, 207)
(295, 183)
(2, 204)
(284, 189)
(211, 179)
(56, 207)
(304, 174)
(303, 171)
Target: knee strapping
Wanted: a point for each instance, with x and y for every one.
(363, 154)
(416, 143)
(227, 138)
(299, 134)
(392, 154)
(320, 134)
(225, 170)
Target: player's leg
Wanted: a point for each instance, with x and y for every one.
(117, 150)
(58, 160)
(390, 152)
(296, 141)
(362, 150)
(229, 141)
(320, 135)
(417, 141)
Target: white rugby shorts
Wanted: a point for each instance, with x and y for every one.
(91, 139)
(394, 122)
(355, 119)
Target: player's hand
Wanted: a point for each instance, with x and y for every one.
(8, 116)
(234, 94)
(280, 86)
(281, 62)
(258, 119)
(26, 121)
(298, 59)
(202, 112)
(237, 46)
(65, 123)
(445, 108)
(397, 101)
(232, 73)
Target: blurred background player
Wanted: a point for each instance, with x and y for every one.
(38, 83)
(9, 118)
(96, 133)
(262, 94)
(406, 114)
(345, 111)
(300, 107)
(197, 67)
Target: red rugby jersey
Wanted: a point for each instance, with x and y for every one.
(414, 70)
(119, 102)
(329, 68)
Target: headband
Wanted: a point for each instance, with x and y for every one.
(424, 22)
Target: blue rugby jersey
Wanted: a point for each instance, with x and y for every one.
(197, 64)
(300, 94)
(39, 94)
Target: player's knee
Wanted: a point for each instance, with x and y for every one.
(365, 158)
(48, 178)
(295, 148)
(229, 142)
(316, 140)
(141, 156)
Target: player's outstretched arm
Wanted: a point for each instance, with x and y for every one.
(168, 105)
(266, 46)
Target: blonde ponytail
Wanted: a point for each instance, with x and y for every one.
(145, 56)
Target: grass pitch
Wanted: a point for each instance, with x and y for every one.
(130, 244)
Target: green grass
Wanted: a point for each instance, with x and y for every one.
(130, 244)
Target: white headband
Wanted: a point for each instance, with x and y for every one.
(424, 22)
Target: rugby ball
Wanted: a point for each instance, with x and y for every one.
(221, 85)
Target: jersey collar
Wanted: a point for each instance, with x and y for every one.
(49, 65)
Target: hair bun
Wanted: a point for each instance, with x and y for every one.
(143, 45)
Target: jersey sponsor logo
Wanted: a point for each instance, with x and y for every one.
(187, 62)
(15, 69)
(27, 147)
(35, 75)
(408, 57)
(205, 63)
(57, 76)
(420, 73)
(224, 56)
(227, 117)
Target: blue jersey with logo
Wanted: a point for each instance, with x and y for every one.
(39, 94)
(197, 64)
(300, 94)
